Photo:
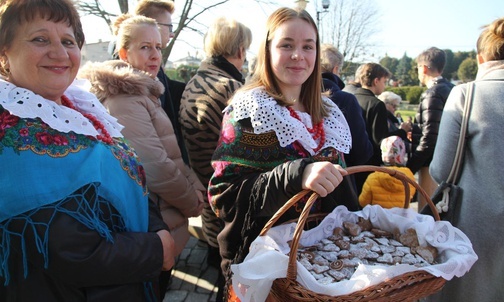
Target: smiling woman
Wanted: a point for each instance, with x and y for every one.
(73, 190)
(279, 135)
(54, 52)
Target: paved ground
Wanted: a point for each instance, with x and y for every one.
(192, 279)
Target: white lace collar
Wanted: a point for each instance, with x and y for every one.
(26, 104)
(266, 115)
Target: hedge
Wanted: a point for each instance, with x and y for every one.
(409, 93)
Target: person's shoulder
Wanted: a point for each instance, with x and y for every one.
(253, 97)
(346, 100)
(441, 87)
(344, 95)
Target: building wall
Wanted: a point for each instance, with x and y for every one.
(99, 52)
(95, 52)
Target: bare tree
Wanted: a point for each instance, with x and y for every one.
(94, 8)
(188, 17)
(187, 21)
(350, 25)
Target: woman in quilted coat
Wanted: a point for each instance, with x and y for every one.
(130, 91)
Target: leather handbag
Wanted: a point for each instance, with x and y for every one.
(448, 194)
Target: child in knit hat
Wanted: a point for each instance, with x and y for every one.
(381, 188)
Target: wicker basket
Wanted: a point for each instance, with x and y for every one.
(406, 287)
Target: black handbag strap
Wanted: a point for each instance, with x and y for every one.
(459, 154)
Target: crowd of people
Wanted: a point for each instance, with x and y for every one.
(104, 164)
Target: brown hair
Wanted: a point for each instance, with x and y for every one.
(434, 58)
(13, 13)
(152, 8)
(490, 43)
(371, 71)
(311, 96)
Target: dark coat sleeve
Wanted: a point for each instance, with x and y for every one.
(156, 222)
(80, 257)
(170, 101)
(362, 149)
(428, 116)
(378, 119)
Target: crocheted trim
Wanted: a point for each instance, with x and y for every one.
(26, 104)
(266, 115)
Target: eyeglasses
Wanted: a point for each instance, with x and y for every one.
(170, 26)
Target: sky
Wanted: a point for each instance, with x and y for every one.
(403, 26)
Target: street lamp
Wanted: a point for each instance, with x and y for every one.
(301, 3)
(325, 5)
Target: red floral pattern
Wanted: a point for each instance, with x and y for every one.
(37, 136)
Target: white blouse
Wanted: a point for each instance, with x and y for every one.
(26, 104)
(267, 115)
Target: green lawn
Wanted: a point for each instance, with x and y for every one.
(406, 113)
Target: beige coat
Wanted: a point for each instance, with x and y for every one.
(131, 96)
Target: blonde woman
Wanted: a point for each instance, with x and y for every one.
(130, 91)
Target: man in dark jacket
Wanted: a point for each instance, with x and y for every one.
(331, 61)
(430, 65)
(373, 80)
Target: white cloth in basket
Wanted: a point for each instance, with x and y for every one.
(268, 261)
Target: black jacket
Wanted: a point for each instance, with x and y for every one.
(375, 115)
(170, 100)
(83, 266)
(426, 129)
(362, 149)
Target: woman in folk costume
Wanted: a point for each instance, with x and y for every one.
(279, 135)
(73, 191)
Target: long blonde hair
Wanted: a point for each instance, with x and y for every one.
(311, 96)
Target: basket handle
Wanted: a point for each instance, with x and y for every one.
(292, 266)
(405, 180)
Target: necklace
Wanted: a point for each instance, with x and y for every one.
(317, 131)
(104, 136)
